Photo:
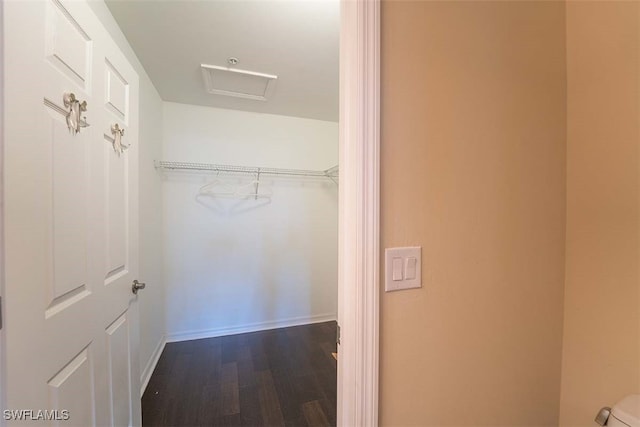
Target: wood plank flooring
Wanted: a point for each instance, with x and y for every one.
(282, 377)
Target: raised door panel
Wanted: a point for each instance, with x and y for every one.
(72, 390)
(68, 47)
(117, 180)
(118, 336)
(69, 186)
(117, 92)
(117, 223)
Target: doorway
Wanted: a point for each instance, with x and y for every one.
(358, 323)
(248, 174)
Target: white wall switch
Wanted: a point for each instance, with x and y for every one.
(403, 268)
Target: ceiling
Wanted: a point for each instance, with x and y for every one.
(297, 40)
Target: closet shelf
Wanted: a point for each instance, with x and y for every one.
(249, 170)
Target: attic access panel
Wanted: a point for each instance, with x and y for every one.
(237, 83)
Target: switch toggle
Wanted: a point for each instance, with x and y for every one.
(410, 268)
(397, 269)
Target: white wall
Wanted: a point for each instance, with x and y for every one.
(232, 265)
(151, 301)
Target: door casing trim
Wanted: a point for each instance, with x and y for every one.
(359, 217)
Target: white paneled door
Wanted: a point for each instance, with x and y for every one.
(70, 219)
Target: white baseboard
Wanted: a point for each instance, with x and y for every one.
(151, 365)
(252, 327)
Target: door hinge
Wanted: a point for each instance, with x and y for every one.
(337, 334)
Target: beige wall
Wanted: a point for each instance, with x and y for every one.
(601, 356)
(473, 170)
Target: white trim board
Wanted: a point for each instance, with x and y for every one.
(151, 365)
(251, 327)
(359, 229)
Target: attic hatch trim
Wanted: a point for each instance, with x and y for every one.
(209, 70)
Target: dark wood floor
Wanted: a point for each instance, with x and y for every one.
(282, 377)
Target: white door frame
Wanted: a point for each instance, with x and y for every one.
(359, 224)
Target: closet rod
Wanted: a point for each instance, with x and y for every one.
(208, 167)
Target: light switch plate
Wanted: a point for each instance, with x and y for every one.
(391, 254)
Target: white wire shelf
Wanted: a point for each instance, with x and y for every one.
(248, 170)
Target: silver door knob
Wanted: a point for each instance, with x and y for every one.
(137, 286)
